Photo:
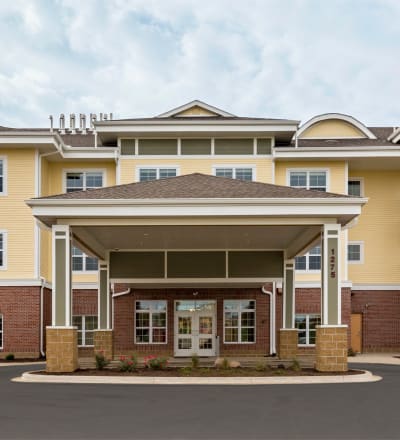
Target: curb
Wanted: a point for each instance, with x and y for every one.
(19, 364)
(364, 376)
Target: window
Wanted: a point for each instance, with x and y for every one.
(310, 261)
(306, 327)
(82, 262)
(2, 177)
(86, 327)
(239, 321)
(3, 243)
(79, 181)
(316, 180)
(355, 252)
(1, 331)
(151, 322)
(354, 187)
(156, 173)
(234, 172)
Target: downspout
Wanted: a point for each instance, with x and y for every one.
(272, 338)
(41, 347)
(115, 295)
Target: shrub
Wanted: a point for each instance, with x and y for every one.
(10, 357)
(155, 363)
(101, 361)
(195, 360)
(128, 364)
(225, 364)
(279, 372)
(186, 371)
(262, 366)
(295, 366)
(351, 352)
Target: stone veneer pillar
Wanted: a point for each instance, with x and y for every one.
(288, 335)
(61, 337)
(331, 335)
(104, 343)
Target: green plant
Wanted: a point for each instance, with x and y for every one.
(10, 357)
(195, 360)
(262, 366)
(351, 352)
(128, 364)
(101, 361)
(155, 363)
(295, 366)
(279, 372)
(186, 371)
(225, 364)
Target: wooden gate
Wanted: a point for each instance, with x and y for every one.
(356, 332)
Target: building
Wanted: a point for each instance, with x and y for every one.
(199, 231)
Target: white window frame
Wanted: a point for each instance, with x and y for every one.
(4, 250)
(234, 168)
(157, 168)
(307, 315)
(2, 331)
(239, 327)
(4, 176)
(84, 331)
(84, 256)
(308, 171)
(103, 172)
(150, 312)
(308, 270)
(356, 179)
(359, 243)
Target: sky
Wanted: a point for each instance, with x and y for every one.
(289, 59)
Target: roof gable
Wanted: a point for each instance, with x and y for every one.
(195, 108)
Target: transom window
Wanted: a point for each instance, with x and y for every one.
(306, 326)
(151, 322)
(310, 261)
(82, 262)
(240, 173)
(239, 321)
(355, 252)
(146, 174)
(86, 324)
(79, 181)
(354, 187)
(1, 330)
(2, 250)
(316, 180)
(2, 177)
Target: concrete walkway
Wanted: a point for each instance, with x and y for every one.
(376, 358)
(18, 364)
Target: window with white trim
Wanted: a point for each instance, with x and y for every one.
(82, 262)
(2, 177)
(1, 331)
(306, 328)
(316, 180)
(240, 173)
(355, 251)
(239, 321)
(151, 322)
(3, 244)
(310, 261)
(354, 187)
(86, 324)
(156, 173)
(83, 180)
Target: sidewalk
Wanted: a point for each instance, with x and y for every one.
(375, 358)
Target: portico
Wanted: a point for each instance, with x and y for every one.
(162, 241)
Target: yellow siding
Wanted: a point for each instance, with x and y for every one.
(196, 165)
(196, 111)
(331, 129)
(379, 228)
(16, 217)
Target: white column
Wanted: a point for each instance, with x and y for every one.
(104, 303)
(288, 295)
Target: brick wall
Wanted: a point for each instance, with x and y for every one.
(20, 307)
(125, 308)
(380, 318)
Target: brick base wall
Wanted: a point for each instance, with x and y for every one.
(124, 306)
(331, 349)
(380, 318)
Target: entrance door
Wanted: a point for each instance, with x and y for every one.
(195, 328)
(356, 332)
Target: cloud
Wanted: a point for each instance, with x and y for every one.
(272, 58)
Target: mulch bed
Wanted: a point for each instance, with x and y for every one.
(201, 372)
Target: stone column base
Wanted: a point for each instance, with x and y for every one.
(288, 338)
(331, 348)
(104, 343)
(61, 349)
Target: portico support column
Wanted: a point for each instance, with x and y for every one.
(331, 335)
(288, 333)
(61, 336)
(103, 336)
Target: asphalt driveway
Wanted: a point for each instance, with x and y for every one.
(326, 411)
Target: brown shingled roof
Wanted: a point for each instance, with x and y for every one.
(194, 186)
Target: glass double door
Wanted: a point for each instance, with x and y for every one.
(195, 328)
